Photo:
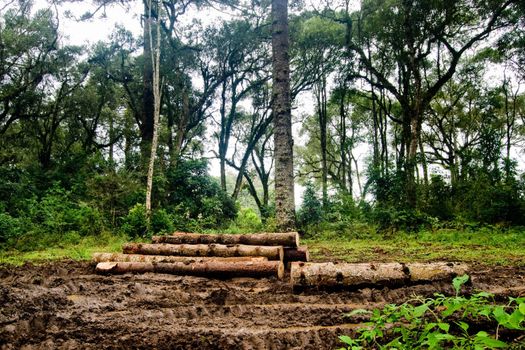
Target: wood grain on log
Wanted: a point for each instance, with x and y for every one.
(333, 275)
(290, 239)
(212, 269)
(118, 257)
(346, 275)
(201, 250)
(428, 272)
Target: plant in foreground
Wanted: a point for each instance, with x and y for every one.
(441, 322)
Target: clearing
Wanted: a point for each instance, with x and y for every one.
(65, 305)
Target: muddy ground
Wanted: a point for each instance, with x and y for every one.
(65, 305)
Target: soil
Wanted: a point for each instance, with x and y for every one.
(65, 305)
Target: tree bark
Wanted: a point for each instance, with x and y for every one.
(289, 239)
(146, 118)
(300, 253)
(281, 108)
(155, 62)
(215, 269)
(118, 257)
(429, 272)
(345, 275)
(200, 250)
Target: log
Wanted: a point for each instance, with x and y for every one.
(118, 257)
(300, 253)
(290, 239)
(334, 275)
(212, 269)
(429, 272)
(202, 250)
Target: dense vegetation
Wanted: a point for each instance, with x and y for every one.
(410, 128)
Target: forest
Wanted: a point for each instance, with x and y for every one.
(371, 152)
(415, 119)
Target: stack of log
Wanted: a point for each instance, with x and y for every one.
(263, 255)
(214, 255)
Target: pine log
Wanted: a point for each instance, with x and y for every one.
(296, 254)
(334, 275)
(118, 257)
(212, 269)
(290, 239)
(201, 250)
(429, 272)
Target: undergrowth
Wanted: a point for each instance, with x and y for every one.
(443, 322)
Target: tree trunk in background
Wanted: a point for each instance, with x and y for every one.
(281, 108)
(155, 63)
(146, 122)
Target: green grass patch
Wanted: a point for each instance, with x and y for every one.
(81, 249)
(491, 247)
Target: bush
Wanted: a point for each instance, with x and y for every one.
(311, 212)
(135, 223)
(248, 220)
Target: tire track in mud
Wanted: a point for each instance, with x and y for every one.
(64, 305)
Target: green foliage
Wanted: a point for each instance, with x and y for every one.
(310, 213)
(135, 224)
(248, 220)
(439, 322)
(196, 199)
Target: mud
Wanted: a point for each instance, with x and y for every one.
(65, 305)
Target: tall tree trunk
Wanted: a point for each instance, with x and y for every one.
(155, 62)
(281, 108)
(323, 120)
(147, 117)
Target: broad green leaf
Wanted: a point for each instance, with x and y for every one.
(420, 310)
(346, 339)
(484, 339)
(522, 308)
(444, 326)
(463, 325)
(459, 281)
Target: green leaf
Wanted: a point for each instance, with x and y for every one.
(515, 319)
(459, 281)
(444, 326)
(484, 339)
(521, 307)
(500, 315)
(463, 325)
(420, 310)
(346, 339)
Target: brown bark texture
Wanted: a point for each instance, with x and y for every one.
(118, 257)
(334, 275)
(200, 250)
(429, 272)
(212, 269)
(300, 253)
(281, 109)
(289, 239)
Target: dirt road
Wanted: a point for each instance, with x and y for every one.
(64, 305)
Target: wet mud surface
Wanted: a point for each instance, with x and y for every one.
(65, 305)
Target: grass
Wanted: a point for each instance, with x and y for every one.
(81, 250)
(489, 247)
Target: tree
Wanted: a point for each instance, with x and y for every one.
(422, 44)
(155, 63)
(281, 108)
